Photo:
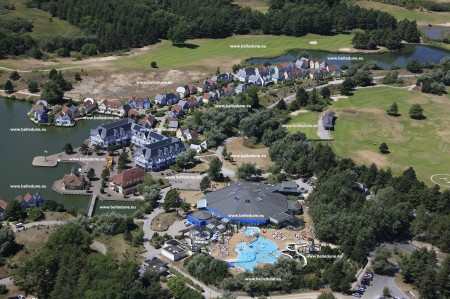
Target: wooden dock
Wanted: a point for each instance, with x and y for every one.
(92, 204)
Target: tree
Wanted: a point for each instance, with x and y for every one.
(7, 241)
(153, 64)
(414, 66)
(217, 71)
(215, 167)
(151, 194)
(346, 86)
(90, 174)
(383, 148)
(392, 110)
(9, 88)
(172, 200)
(205, 183)
(247, 171)
(84, 148)
(186, 157)
(35, 214)
(179, 33)
(14, 76)
(177, 286)
(416, 112)
(281, 105)
(77, 77)
(89, 49)
(97, 148)
(33, 86)
(302, 97)
(68, 149)
(63, 52)
(325, 92)
(112, 223)
(386, 292)
(326, 295)
(52, 92)
(14, 211)
(111, 149)
(105, 174)
(52, 74)
(380, 263)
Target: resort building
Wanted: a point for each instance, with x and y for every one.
(173, 252)
(156, 265)
(152, 150)
(73, 181)
(252, 203)
(126, 181)
(115, 133)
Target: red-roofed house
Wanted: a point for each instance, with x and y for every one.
(126, 181)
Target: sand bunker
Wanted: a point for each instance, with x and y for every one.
(313, 42)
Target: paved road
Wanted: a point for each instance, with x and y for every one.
(379, 283)
(38, 223)
(7, 281)
(334, 82)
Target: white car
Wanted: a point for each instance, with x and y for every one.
(187, 224)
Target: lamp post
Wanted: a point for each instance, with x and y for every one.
(45, 157)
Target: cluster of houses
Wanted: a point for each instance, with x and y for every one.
(190, 96)
(152, 151)
(302, 68)
(66, 117)
(27, 201)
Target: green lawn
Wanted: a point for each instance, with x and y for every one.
(422, 17)
(362, 125)
(207, 53)
(43, 27)
(306, 118)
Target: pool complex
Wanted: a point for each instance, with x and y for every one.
(250, 231)
(251, 254)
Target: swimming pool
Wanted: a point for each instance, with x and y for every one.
(251, 254)
(250, 231)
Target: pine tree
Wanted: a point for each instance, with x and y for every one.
(384, 148)
(393, 110)
(9, 88)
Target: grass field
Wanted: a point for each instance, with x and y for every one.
(119, 249)
(43, 27)
(306, 118)
(362, 125)
(205, 53)
(422, 17)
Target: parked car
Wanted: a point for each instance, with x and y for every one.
(361, 290)
(356, 295)
(187, 223)
(19, 225)
(361, 286)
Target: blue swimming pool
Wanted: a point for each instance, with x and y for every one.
(250, 231)
(251, 254)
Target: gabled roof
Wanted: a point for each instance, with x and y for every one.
(73, 180)
(27, 197)
(64, 109)
(176, 108)
(112, 104)
(128, 177)
(38, 107)
(3, 204)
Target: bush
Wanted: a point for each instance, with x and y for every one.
(3, 289)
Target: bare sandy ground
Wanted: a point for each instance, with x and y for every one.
(124, 84)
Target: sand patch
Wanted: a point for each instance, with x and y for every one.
(372, 157)
(447, 24)
(313, 42)
(298, 112)
(345, 49)
(336, 98)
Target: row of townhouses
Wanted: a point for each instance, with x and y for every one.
(302, 68)
(152, 151)
(65, 117)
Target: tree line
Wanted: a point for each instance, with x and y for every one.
(112, 25)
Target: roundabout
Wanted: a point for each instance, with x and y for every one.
(441, 179)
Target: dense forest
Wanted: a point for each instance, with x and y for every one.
(419, 4)
(111, 25)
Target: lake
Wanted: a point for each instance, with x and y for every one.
(19, 149)
(385, 60)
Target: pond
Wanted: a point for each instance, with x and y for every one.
(436, 33)
(19, 148)
(385, 60)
